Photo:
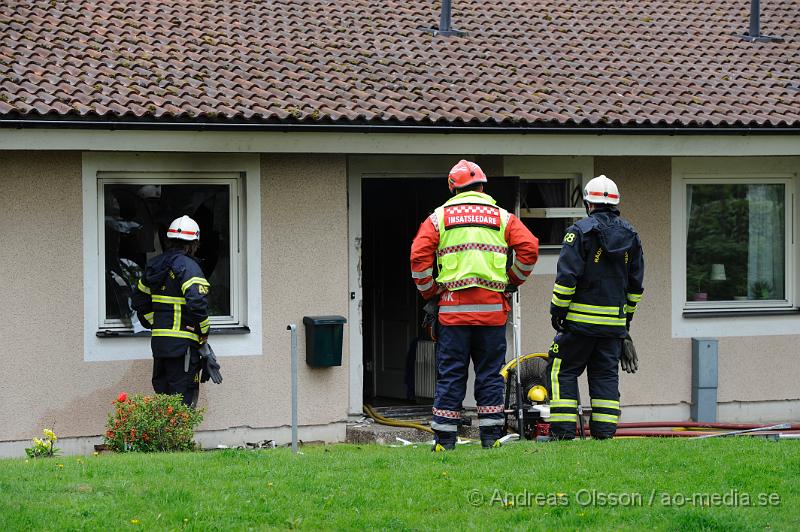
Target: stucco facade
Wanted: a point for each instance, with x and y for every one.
(307, 211)
(49, 384)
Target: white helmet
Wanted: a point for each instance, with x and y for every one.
(184, 228)
(601, 190)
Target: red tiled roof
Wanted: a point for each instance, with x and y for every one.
(523, 63)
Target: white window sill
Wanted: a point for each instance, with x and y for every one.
(716, 313)
(128, 333)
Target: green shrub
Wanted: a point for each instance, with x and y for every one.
(151, 423)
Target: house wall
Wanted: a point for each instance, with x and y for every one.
(751, 369)
(757, 375)
(46, 381)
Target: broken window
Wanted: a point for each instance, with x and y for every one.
(137, 214)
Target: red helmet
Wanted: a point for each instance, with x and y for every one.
(465, 173)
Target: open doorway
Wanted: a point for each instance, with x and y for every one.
(392, 209)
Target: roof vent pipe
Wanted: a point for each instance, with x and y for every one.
(754, 35)
(446, 28)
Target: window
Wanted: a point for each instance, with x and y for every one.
(129, 200)
(549, 206)
(136, 214)
(738, 244)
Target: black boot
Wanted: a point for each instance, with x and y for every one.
(443, 441)
(490, 436)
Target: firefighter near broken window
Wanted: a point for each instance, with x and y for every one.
(171, 299)
(468, 240)
(597, 289)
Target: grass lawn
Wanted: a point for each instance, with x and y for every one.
(622, 484)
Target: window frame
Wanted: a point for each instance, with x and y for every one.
(741, 322)
(744, 178)
(569, 213)
(234, 181)
(120, 345)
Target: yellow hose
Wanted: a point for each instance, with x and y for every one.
(513, 362)
(392, 422)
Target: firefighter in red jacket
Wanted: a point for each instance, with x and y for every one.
(468, 238)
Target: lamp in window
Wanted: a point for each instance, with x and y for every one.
(718, 272)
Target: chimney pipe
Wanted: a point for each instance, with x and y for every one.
(754, 35)
(446, 28)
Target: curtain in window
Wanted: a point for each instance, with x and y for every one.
(766, 246)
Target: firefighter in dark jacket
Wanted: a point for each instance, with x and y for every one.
(171, 300)
(598, 286)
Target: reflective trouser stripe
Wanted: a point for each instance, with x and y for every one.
(149, 317)
(490, 422)
(565, 403)
(605, 403)
(204, 325)
(450, 414)
(444, 427)
(630, 309)
(604, 418)
(634, 297)
(564, 290)
(176, 317)
(175, 334)
(423, 274)
(554, 379)
(470, 308)
(564, 418)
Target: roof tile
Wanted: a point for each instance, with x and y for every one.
(523, 63)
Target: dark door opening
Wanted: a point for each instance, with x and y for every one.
(392, 210)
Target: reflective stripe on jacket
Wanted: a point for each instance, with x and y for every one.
(600, 274)
(172, 299)
(472, 250)
(476, 305)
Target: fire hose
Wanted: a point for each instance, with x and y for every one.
(393, 422)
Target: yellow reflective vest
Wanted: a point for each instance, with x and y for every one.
(472, 246)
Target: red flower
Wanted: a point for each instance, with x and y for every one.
(122, 397)
(169, 410)
(110, 434)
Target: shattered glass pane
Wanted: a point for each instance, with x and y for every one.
(136, 221)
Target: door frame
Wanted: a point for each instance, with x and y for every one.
(410, 166)
(373, 167)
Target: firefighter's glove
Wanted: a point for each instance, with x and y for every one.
(629, 360)
(510, 290)
(209, 366)
(431, 319)
(432, 306)
(558, 323)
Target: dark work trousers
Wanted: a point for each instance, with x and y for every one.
(170, 376)
(571, 354)
(486, 346)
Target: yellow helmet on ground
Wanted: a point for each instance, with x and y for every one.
(537, 394)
